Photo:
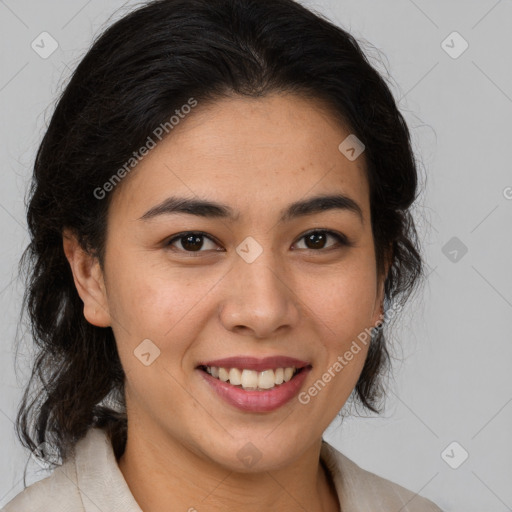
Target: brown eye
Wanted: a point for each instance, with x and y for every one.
(316, 240)
(190, 241)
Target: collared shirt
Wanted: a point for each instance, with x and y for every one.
(90, 481)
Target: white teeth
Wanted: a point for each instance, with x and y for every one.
(223, 374)
(266, 379)
(235, 376)
(288, 373)
(251, 379)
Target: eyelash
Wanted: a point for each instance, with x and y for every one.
(341, 239)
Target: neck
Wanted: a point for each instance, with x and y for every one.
(161, 471)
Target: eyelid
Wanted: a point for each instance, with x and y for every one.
(341, 238)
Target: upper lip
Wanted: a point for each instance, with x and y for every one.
(255, 363)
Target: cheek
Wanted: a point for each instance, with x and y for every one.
(145, 297)
(155, 321)
(344, 300)
(157, 303)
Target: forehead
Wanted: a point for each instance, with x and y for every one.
(250, 154)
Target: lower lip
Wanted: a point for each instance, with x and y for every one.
(257, 401)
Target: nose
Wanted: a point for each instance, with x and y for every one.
(259, 299)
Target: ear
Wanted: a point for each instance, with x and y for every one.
(89, 280)
(378, 310)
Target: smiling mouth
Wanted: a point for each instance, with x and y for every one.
(251, 379)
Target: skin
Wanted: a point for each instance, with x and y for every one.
(257, 156)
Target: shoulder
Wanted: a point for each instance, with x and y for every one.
(88, 480)
(57, 492)
(361, 490)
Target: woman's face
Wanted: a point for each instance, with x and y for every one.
(256, 284)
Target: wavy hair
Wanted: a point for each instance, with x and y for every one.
(135, 75)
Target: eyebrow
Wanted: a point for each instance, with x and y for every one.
(211, 209)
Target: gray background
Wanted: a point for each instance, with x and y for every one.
(453, 342)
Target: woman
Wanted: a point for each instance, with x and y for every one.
(220, 225)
